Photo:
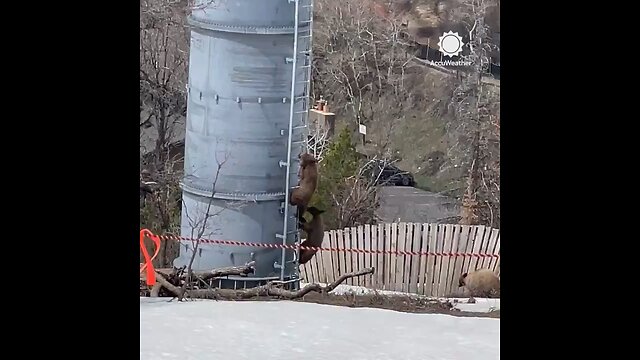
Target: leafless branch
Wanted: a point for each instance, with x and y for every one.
(356, 199)
(360, 63)
(475, 146)
(270, 290)
(318, 142)
(199, 227)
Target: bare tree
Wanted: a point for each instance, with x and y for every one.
(203, 5)
(361, 61)
(317, 142)
(160, 207)
(163, 75)
(320, 129)
(202, 224)
(355, 198)
(475, 144)
(163, 69)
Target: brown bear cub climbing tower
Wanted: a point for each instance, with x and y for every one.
(301, 195)
(315, 234)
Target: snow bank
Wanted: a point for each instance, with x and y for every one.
(293, 330)
(481, 305)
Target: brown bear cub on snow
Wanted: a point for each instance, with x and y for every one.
(301, 195)
(481, 283)
(315, 234)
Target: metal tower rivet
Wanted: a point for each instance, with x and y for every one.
(284, 100)
(259, 100)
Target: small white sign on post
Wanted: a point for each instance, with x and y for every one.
(362, 129)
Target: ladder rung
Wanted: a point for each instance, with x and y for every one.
(305, 66)
(300, 112)
(279, 236)
(283, 132)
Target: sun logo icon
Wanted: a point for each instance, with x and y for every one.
(450, 44)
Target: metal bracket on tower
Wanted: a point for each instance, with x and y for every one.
(280, 236)
(276, 265)
(282, 163)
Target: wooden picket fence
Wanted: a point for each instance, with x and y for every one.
(433, 275)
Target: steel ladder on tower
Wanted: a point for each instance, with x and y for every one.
(297, 134)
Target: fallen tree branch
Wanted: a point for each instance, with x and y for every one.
(269, 290)
(155, 290)
(167, 285)
(243, 270)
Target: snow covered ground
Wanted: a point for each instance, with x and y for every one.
(481, 305)
(261, 330)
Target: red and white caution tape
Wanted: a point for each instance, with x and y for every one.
(294, 247)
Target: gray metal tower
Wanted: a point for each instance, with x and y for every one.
(248, 102)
